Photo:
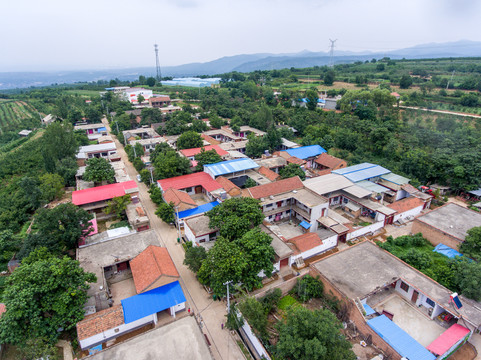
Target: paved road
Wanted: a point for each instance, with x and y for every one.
(212, 312)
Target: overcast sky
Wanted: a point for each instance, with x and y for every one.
(95, 34)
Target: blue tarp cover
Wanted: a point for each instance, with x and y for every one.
(138, 306)
(305, 152)
(447, 251)
(198, 210)
(369, 310)
(305, 224)
(399, 340)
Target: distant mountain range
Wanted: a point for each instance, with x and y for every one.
(241, 63)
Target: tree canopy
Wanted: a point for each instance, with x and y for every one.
(291, 170)
(168, 163)
(206, 157)
(312, 335)
(41, 296)
(471, 246)
(235, 217)
(189, 140)
(98, 170)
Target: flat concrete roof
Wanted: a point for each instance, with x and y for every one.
(452, 219)
(181, 339)
(361, 269)
(272, 162)
(200, 225)
(329, 183)
(281, 249)
(93, 258)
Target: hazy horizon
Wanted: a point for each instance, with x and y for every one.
(64, 36)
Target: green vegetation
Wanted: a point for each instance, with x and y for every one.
(460, 274)
(98, 170)
(292, 170)
(286, 302)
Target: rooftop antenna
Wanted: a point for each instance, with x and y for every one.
(157, 64)
(331, 52)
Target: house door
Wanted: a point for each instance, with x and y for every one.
(284, 262)
(198, 189)
(389, 220)
(415, 296)
(279, 203)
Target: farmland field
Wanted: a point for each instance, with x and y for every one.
(13, 112)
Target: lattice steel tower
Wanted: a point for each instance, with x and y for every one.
(157, 64)
(331, 53)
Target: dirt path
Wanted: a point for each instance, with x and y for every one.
(441, 111)
(212, 312)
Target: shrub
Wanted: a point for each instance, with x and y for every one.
(308, 288)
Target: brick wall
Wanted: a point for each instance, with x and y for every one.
(435, 236)
(356, 316)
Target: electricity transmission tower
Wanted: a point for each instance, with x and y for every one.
(331, 53)
(157, 64)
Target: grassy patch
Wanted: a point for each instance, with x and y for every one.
(286, 302)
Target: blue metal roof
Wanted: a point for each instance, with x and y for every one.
(138, 306)
(198, 210)
(305, 224)
(362, 171)
(447, 251)
(231, 166)
(305, 152)
(476, 192)
(399, 340)
(369, 310)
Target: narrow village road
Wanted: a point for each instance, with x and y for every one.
(441, 111)
(223, 345)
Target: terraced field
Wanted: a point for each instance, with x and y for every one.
(13, 112)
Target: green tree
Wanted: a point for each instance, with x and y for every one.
(249, 183)
(51, 186)
(145, 176)
(140, 98)
(467, 278)
(273, 139)
(98, 170)
(43, 295)
(329, 77)
(312, 98)
(189, 140)
(206, 157)
(256, 146)
(155, 194)
(405, 82)
(292, 170)
(263, 118)
(166, 212)
(169, 163)
(312, 335)
(255, 313)
(150, 81)
(118, 205)
(215, 122)
(308, 287)
(472, 244)
(58, 142)
(199, 126)
(194, 256)
(235, 217)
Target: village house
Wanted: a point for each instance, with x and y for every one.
(158, 101)
(326, 163)
(238, 146)
(107, 151)
(407, 314)
(131, 94)
(148, 144)
(135, 287)
(447, 224)
(93, 131)
(244, 131)
(222, 135)
(230, 169)
(303, 156)
(139, 133)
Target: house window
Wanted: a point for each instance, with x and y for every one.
(404, 286)
(430, 302)
(269, 205)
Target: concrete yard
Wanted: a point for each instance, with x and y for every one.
(181, 339)
(411, 320)
(122, 290)
(290, 230)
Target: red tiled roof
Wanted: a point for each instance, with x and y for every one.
(395, 94)
(178, 198)
(160, 98)
(268, 173)
(231, 188)
(406, 204)
(210, 139)
(275, 188)
(329, 161)
(195, 151)
(306, 241)
(186, 181)
(101, 193)
(151, 264)
(295, 160)
(100, 321)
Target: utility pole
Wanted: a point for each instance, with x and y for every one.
(157, 64)
(178, 224)
(228, 296)
(331, 52)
